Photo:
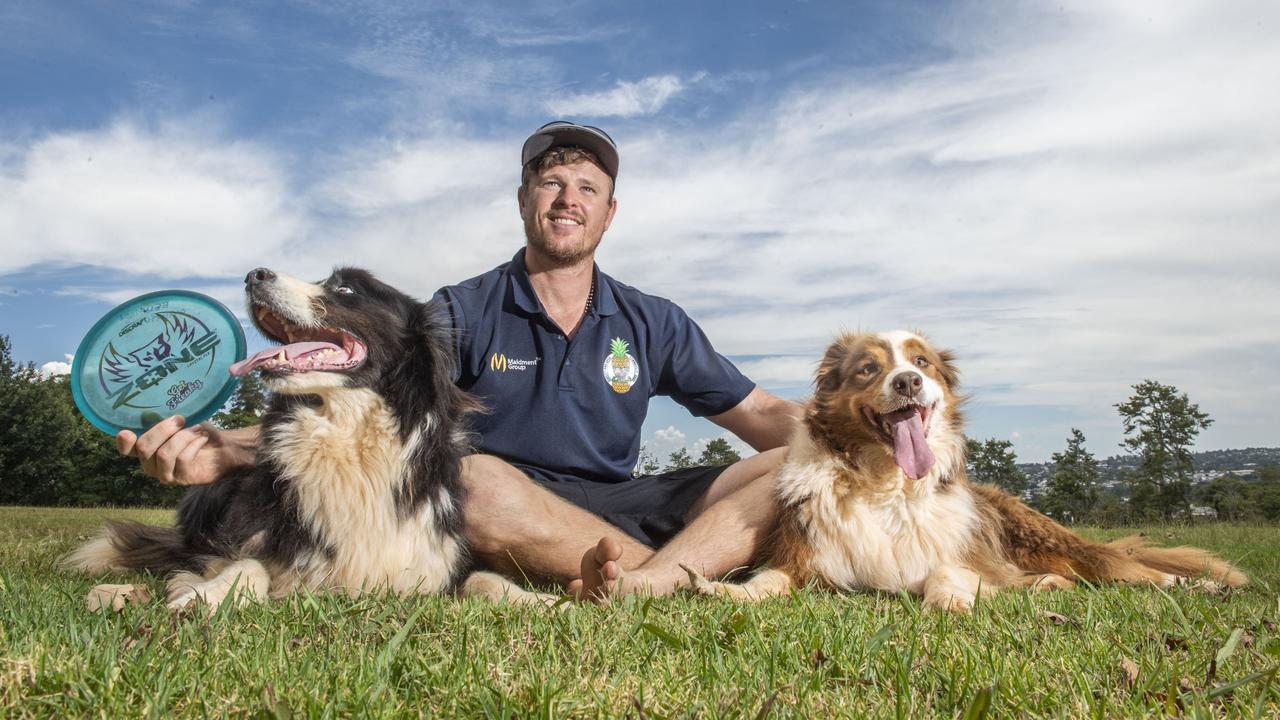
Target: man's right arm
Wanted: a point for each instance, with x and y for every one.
(177, 455)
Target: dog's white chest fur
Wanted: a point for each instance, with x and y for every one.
(887, 539)
(346, 462)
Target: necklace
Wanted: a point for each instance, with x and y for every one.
(591, 295)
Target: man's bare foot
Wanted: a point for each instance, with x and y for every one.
(600, 571)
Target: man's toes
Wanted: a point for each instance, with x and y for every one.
(607, 550)
(610, 571)
(600, 570)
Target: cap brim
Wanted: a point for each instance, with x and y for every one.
(571, 136)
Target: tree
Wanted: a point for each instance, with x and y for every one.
(646, 463)
(994, 461)
(1264, 493)
(718, 452)
(1110, 510)
(1072, 491)
(51, 455)
(1160, 425)
(679, 460)
(36, 455)
(1228, 496)
(246, 406)
(103, 476)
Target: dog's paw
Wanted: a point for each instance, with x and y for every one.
(1050, 581)
(703, 586)
(953, 603)
(185, 602)
(205, 597)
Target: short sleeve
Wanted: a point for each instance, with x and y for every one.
(452, 312)
(693, 373)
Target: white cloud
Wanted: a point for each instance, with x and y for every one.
(781, 370)
(1073, 201)
(626, 99)
(663, 442)
(171, 200)
(55, 368)
(1072, 213)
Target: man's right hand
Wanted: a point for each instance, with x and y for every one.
(177, 455)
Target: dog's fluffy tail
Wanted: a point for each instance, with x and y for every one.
(129, 546)
(1036, 544)
(1188, 562)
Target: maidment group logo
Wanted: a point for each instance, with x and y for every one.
(499, 362)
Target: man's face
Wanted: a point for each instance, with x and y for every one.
(566, 210)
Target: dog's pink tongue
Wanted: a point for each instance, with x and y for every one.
(910, 451)
(291, 352)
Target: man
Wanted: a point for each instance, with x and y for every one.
(566, 358)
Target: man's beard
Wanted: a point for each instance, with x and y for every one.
(559, 256)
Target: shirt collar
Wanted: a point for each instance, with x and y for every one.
(526, 299)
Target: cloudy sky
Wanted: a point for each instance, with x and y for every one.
(1074, 197)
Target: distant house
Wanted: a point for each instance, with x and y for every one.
(1204, 512)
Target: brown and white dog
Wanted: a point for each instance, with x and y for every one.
(873, 496)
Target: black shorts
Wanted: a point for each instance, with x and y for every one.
(650, 508)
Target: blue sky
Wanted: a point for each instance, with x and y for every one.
(1075, 198)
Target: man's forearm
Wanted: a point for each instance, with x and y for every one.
(762, 420)
(240, 446)
(775, 424)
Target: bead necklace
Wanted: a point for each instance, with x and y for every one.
(591, 294)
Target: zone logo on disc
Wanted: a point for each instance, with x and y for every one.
(157, 355)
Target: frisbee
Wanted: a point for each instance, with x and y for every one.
(160, 354)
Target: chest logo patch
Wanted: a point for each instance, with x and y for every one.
(620, 369)
(499, 362)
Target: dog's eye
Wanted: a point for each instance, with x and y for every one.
(922, 361)
(344, 290)
(868, 369)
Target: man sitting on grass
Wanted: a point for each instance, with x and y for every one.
(566, 359)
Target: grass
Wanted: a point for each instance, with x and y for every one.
(1045, 655)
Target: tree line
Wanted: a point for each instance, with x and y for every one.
(1160, 426)
(717, 452)
(50, 455)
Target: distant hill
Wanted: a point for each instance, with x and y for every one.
(1208, 465)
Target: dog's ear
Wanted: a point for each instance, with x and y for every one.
(948, 368)
(423, 378)
(831, 371)
(434, 331)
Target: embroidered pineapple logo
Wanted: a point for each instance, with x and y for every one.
(620, 369)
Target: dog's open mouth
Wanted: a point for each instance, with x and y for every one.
(906, 429)
(303, 349)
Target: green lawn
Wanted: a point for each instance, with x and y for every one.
(814, 655)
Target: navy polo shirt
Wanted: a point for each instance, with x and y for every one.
(573, 408)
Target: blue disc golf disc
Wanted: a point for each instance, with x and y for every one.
(160, 354)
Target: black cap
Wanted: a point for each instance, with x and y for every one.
(563, 133)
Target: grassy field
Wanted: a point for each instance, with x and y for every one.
(1116, 652)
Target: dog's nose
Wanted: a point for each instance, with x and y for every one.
(907, 384)
(258, 276)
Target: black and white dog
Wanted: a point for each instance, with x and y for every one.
(357, 482)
